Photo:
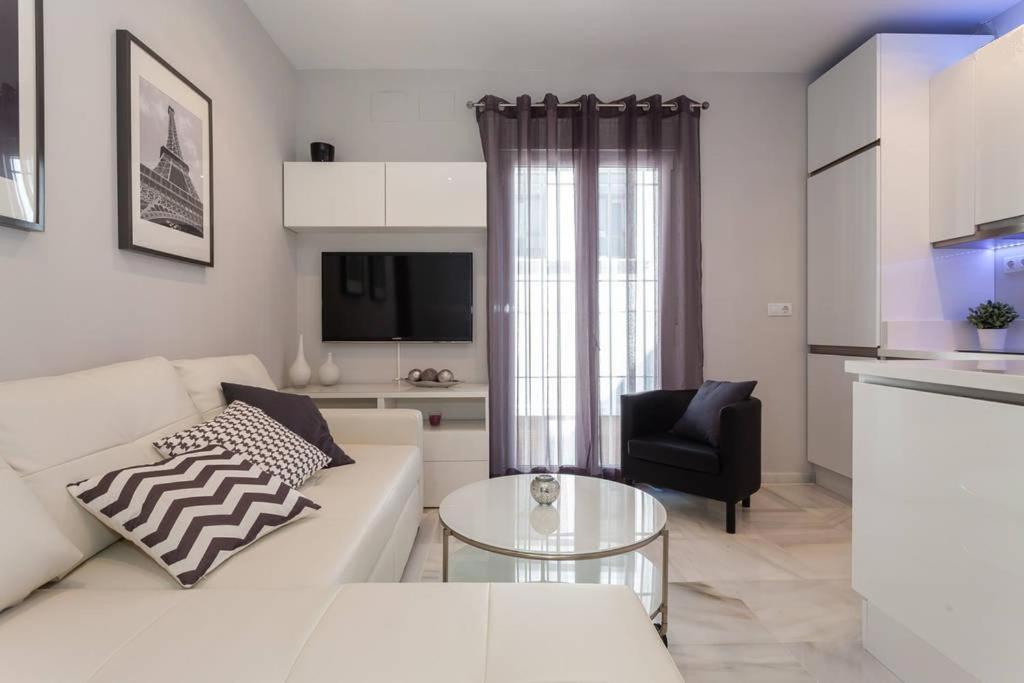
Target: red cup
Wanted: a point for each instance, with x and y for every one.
(435, 420)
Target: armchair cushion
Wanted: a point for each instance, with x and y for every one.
(674, 451)
(702, 419)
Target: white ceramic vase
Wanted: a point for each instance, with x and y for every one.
(300, 372)
(329, 373)
(992, 340)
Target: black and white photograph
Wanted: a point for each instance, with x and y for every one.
(165, 188)
(171, 167)
(21, 114)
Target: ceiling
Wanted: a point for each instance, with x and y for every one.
(804, 36)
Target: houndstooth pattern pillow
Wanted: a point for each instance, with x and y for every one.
(254, 435)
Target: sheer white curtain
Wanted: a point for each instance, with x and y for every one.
(627, 333)
(593, 271)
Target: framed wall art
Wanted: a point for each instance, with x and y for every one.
(164, 157)
(21, 114)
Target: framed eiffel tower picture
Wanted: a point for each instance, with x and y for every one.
(164, 158)
(21, 114)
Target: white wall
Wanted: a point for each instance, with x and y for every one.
(754, 178)
(71, 299)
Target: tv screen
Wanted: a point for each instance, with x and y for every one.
(371, 296)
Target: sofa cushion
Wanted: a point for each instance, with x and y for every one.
(194, 511)
(295, 411)
(340, 544)
(32, 550)
(251, 433)
(372, 633)
(55, 430)
(701, 421)
(673, 451)
(202, 378)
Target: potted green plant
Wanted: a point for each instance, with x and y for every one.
(992, 319)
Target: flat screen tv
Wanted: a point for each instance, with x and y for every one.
(417, 297)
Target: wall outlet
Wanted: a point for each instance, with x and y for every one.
(780, 310)
(1013, 264)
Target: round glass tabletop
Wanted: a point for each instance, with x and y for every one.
(591, 518)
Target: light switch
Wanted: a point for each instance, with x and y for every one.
(780, 310)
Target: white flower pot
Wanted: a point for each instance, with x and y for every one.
(992, 340)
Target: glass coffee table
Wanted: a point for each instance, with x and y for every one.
(591, 534)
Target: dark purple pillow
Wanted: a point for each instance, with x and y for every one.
(701, 421)
(296, 412)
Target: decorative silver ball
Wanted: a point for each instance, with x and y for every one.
(414, 375)
(446, 375)
(545, 489)
(429, 375)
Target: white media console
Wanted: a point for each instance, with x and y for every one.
(454, 453)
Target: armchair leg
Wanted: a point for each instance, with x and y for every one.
(746, 502)
(730, 518)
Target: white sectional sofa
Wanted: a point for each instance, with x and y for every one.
(306, 603)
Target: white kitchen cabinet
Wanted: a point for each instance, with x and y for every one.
(436, 195)
(842, 253)
(842, 107)
(331, 195)
(830, 413)
(999, 106)
(952, 151)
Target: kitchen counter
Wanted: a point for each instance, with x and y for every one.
(998, 375)
(938, 516)
(908, 354)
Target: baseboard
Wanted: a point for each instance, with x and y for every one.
(786, 478)
(837, 483)
(904, 653)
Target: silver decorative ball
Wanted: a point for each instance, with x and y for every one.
(429, 375)
(446, 375)
(414, 375)
(545, 489)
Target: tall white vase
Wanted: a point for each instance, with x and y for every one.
(300, 372)
(329, 373)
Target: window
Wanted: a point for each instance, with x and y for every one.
(545, 308)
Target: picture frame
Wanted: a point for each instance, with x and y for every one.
(22, 204)
(164, 158)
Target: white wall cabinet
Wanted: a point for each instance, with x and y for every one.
(842, 254)
(358, 195)
(952, 152)
(829, 411)
(323, 195)
(436, 195)
(843, 107)
(999, 108)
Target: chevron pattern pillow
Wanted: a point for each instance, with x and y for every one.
(194, 511)
(249, 432)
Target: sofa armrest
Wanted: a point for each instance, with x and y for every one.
(651, 412)
(740, 442)
(374, 426)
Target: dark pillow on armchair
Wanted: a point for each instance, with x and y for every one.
(297, 413)
(701, 420)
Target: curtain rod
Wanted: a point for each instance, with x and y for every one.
(470, 104)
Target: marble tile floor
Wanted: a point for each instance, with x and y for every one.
(771, 603)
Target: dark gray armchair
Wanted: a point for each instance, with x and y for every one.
(652, 454)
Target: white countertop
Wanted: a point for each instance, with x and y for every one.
(947, 355)
(391, 390)
(1004, 376)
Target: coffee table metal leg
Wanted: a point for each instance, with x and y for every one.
(664, 585)
(445, 533)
